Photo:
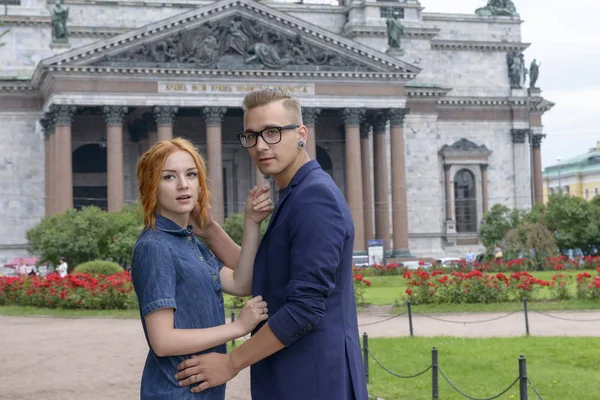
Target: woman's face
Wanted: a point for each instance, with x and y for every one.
(178, 188)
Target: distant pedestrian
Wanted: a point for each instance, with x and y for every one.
(63, 268)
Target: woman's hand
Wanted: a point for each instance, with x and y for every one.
(254, 312)
(195, 221)
(258, 204)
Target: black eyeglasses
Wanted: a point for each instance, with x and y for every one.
(271, 135)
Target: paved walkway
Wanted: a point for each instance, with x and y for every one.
(101, 359)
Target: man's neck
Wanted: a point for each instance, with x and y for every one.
(284, 178)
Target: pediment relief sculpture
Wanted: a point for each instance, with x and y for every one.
(233, 43)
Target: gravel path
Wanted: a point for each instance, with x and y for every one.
(101, 359)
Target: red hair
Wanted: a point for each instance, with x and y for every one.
(149, 169)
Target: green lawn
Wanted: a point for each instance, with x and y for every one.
(388, 290)
(65, 313)
(560, 368)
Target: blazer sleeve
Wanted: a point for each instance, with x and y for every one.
(317, 235)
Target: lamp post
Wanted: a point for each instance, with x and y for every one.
(558, 160)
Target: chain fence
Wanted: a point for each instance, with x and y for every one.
(522, 379)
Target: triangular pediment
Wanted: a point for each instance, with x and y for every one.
(234, 35)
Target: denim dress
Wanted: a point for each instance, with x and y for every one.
(170, 268)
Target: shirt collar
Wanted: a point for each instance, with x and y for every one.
(164, 224)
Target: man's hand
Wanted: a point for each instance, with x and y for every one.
(209, 370)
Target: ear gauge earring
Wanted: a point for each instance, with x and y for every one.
(301, 144)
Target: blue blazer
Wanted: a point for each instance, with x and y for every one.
(303, 268)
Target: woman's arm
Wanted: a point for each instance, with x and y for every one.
(238, 281)
(168, 341)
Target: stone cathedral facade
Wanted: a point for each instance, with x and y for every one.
(422, 139)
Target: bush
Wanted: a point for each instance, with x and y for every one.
(87, 234)
(75, 291)
(234, 226)
(99, 267)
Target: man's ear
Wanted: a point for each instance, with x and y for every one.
(303, 133)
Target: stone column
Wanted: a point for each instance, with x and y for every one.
(382, 206)
(448, 192)
(537, 167)
(309, 119)
(164, 116)
(113, 115)
(365, 153)
(484, 187)
(64, 153)
(47, 123)
(398, 170)
(521, 166)
(354, 188)
(214, 155)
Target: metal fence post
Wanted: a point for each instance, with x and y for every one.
(366, 355)
(232, 320)
(434, 374)
(410, 324)
(526, 316)
(522, 378)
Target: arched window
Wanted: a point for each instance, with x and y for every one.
(324, 160)
(465, 201)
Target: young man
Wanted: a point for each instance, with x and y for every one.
(309, 347)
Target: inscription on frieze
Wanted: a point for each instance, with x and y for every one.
(234, 42)
(209, 88)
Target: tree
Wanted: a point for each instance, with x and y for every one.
(529, 236)
(2, 34)
(497, 222)
(234, 226)
(573, 221)
(88, 234)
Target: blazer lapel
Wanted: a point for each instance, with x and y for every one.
(276, 211)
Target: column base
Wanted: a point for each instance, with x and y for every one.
(401, 253)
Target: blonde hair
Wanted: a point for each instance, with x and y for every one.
(149, 170)
(262, 97)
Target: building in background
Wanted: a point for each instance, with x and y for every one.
(578, 176)
(424, 120)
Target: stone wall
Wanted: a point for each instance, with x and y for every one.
(21, 180)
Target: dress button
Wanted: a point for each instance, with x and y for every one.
(190, 238)
(200, 258)
(215, 277)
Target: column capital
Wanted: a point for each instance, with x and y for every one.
(48, 124)
(353, 116)
(309, 115)
(396, 116)
(519, 135)
(113, 115)
(214, 115)
(379, 121)
(447, 167)
(365, 129)
(484, 167)
(63, 114)
(164, 115)
(537, 140)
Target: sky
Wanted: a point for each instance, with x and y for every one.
(565, 38)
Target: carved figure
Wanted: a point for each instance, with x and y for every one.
(395, 31)
(523, 69)
(498, 7)
(60, 14)
(515, 72)
(534, 73)
(241, 39)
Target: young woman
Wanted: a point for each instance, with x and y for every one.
(178, 281)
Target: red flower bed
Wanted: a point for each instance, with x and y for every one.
(82, 291)
(360, 284)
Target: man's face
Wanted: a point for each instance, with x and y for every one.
(273, 159)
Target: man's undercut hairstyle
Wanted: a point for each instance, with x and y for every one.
(262, 97)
